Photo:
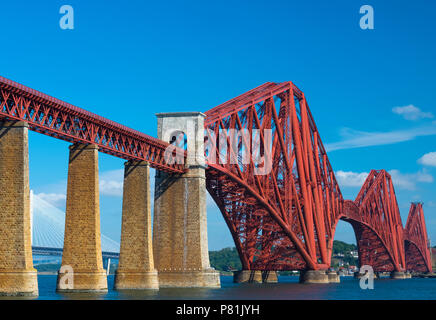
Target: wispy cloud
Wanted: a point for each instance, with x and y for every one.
(55, 199)
(408, 181)
(411, 112)
(111, 183)
(350, 179)
(357, 139)
(428, 159)
(405, 181)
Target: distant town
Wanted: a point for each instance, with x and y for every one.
(344, 259)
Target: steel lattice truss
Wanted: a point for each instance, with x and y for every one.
(284, 219)
(61, 120)
(416, 244)
(371, 247)
(281, 219)
(379, 230)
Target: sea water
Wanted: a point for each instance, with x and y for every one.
(288, 288)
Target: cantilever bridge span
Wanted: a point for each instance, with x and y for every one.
(286, 219)
(376, 221)
(418, 256)
(282, 206)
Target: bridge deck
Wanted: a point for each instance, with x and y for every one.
(56, 118)
(58, 252)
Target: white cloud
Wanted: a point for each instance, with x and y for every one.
(350, 179)
(55, 199)
(411, 112)
(408, 181)
(357, 139)
(428, 159)
(111, 183)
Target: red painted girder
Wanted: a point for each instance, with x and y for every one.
(415, 236)
(299, 200)
(56, 118)
(252, 97)
(378, 209)
(371, 246)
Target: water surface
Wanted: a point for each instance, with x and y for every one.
(288, 288)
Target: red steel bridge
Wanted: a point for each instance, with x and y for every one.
(282, 220)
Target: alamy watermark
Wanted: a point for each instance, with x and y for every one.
(367, 20)
(367, 279)
(66, 277)
(232, 146)
(67, 20)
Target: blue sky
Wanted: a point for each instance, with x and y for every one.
(371, 91)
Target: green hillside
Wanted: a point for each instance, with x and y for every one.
(343, 247)
(225, 259)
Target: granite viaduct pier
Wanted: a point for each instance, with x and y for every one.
(259, 155)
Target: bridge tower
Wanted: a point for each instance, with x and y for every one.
(180, 244)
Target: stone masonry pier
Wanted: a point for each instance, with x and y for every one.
(17, 275)
(180, 222)
(136, 266)
(82, 243)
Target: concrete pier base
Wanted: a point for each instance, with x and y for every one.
(247, 276)
(398, 275)
(140, 280)
(18, 283)
(17, 275)
(269, 277)
(136, 265)
(82, 264)
(314, 276)
(189, 279)
(82, 281)
(408, 275)
(333, 277)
